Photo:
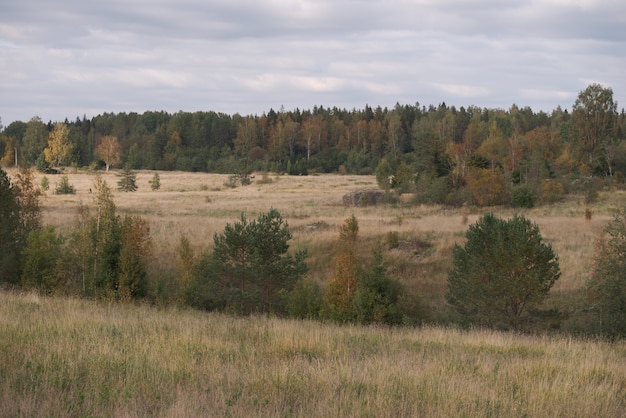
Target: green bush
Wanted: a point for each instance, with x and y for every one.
(155, 183)
(522, 197)
(392, 239)
(305, 300)
(64, 187)
(43, 261)
(45, 184)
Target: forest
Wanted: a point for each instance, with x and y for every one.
(456, 158)
(442, 153)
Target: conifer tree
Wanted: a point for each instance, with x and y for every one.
(503, 270)
(128, 180)
(11, 242)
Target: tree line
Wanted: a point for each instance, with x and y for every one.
(445, 154)
(439, 154)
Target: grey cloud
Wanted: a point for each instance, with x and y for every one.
(64, 58)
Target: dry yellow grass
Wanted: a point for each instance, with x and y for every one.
(67, 357)
(198, 205)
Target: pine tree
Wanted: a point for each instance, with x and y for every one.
(128, 180)
(503, 270)
(11, 239)
(253, 264)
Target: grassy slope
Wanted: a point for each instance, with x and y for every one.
(67, 357)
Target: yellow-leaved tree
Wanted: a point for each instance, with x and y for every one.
(342, 286)
(60, 148)
(109, 151)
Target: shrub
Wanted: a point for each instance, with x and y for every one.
(305, 300)
(392, 239)
(487, 186)
(64, 187)
(45, 184)
(155, 183)
(43, 260)
(551, 191)
(503, 270)
(522, 197)
(591, 196)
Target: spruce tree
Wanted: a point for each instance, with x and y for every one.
(128, 180)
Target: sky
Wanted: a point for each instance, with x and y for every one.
(72, 58)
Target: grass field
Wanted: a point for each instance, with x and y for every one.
(197, 205)
(68, 357)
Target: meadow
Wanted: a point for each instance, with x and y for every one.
(197, 205)
(67, 357)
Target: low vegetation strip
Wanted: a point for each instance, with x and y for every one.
(73, 357)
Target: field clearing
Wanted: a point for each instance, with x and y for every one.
(197, 205)
(69, 357)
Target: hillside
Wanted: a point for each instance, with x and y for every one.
(69, 357)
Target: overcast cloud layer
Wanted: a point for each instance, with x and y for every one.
(72, 58)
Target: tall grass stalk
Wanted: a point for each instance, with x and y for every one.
(68, 357)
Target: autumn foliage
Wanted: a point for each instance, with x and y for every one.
(341, 287)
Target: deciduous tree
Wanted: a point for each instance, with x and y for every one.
(488, 187)
(135, 252)
(607, 287)
(35, 140)
(60, 148)
(594, 120)
(342, 286)
(29, 199)
(109, 151)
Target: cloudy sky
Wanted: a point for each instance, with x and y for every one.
(72, 58)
